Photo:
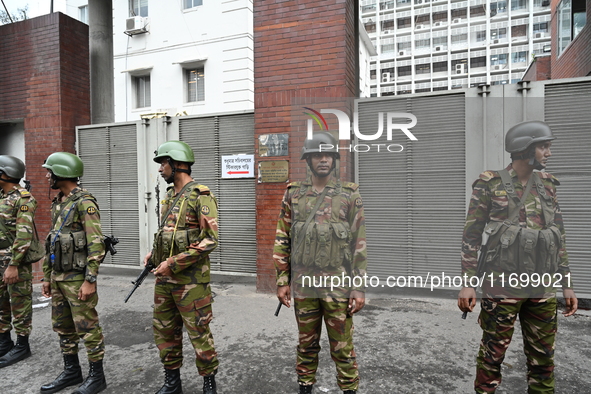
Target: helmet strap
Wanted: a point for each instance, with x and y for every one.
(172, 165)
(334, 162)
(9, 180)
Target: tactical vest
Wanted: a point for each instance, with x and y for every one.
(513, 248)
(6, 239)
(323, 245)
(170, 243)
(66, 249)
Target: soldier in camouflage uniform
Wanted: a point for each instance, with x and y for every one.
(517, 246)
(17, 212)
(330, 245)
(75, 249)
(182, 294)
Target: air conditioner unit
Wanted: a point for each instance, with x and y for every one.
(545, 3)
(401, 53)
(497, 67)
(386, 32)
(495, 41)
(437, 48)
(437, 24)
(457, 20)
(538, 35)
(385, 77)
(419, 1)
(460, 69)
(135, 25)
(418, 27)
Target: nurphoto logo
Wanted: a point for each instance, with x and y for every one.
(345, 129)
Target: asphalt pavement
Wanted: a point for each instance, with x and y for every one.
(406, 342)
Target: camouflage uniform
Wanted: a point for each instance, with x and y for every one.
(500, 306)
(314, 303)
(185, 297)
(73, 318)
(17, 209)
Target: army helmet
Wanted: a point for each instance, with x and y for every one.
(11, 166)
(176, 150)
(64, 165)
(523, 135)
(313, 145)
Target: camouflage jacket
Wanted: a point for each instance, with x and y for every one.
(351, 212)
(201, 212)
(489, 201)
(17, 209)
(85, 217)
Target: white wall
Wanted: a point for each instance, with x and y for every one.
(221, 32)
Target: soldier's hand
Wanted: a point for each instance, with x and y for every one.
(46, 289)
(148, 256)
(11, 274)
(163, 269)
(86, 290)
(284, 295)
(356, 302)
(572, 303)
(467, 299)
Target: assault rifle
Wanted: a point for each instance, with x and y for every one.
(110, 243)
(479, 267)
(140, 279)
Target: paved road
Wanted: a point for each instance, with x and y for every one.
(406, 343)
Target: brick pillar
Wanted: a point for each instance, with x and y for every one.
(45, 84)
(304, 55)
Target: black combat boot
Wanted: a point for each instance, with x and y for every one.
(172, 382)
(95, 381)
(71, 375)
(305, 389)
(19, 352)
(5, 343)
(350, 392)
(209, 386)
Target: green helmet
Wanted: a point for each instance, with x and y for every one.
(313, 145)
(526, 134)
(64, 165)
(176, 150)
(13, 168)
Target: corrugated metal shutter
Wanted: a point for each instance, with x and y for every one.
(211, 138)
(111, 175)
(571, 165)
(415, 200)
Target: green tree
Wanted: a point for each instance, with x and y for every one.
(21, 14)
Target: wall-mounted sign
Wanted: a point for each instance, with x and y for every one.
(238, 166)
(273, 171)
(273, 145)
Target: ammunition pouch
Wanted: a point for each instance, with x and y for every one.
(69, 251)
(522, 250)
(5, 243)
(323, 245)
(165, 246)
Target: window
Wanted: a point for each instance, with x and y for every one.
(424, 19)
(572, 17)
(440, 42)
(388, 48)
(387, 5)
(498, 7)
(498, 33)
(541, 27)
(402, 46)
(481, 36)
(519, 31)
(423, 68)
(519, 57)
(142, 91)
(138, 7)
(459, 39)
(83, 14)
(478, 62)
(403, 23)
(440, 17)
(423, 44)
(459, 13)
(368, 8)
(388, 24)
(370, 26)
(404, 70)
(195, 85)
(518, 4)
(439, 66)
(498, 59)
(479, 10)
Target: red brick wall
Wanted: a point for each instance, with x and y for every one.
(575, 61)
(44, 81)
(538, 70)
(304, 54)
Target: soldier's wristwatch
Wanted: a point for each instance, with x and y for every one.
(90, 278)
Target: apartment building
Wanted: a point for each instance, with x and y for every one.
(430, 45)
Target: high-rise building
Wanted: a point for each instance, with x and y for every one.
(430, 45)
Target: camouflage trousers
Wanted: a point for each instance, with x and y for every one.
(189, 305)
(16, 300)
(74, 319)
(339, 325)
(537, 317)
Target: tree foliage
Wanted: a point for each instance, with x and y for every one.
(21, 15)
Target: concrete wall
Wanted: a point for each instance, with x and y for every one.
(44, 84)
